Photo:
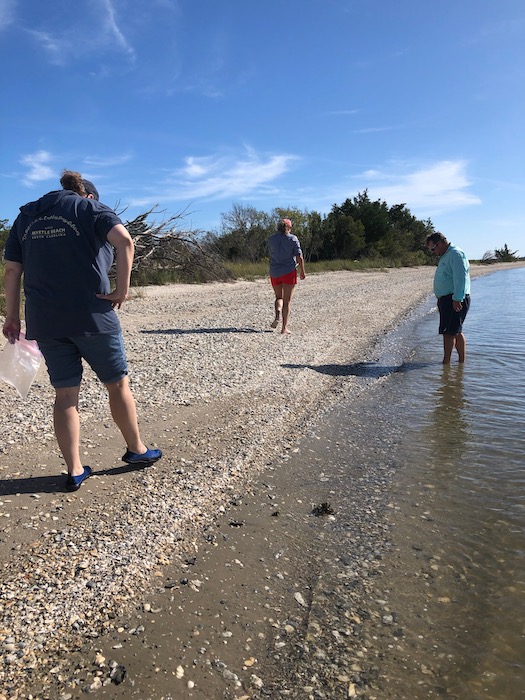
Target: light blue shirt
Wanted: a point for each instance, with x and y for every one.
(452, 274)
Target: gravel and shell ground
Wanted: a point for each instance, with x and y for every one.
(209, 574)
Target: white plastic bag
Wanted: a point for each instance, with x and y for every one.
(19, 364)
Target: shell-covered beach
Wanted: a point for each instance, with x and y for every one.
(226, 398)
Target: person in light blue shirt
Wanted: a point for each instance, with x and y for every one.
(452, 289)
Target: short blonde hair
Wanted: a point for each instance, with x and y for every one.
(283, 223)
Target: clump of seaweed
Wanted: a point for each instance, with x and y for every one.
(323, 509)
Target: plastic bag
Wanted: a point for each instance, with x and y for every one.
(19, 364)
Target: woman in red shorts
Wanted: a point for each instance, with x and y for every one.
(285, 254)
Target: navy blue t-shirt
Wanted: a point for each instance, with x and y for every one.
(61, 242)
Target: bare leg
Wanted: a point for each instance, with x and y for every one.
(67, 427)
(461, 347)
(124, 412)
(288, 290)
(278, 304)
(449, 342)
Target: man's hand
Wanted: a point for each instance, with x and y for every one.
(12, 284)
(457, 305)
(11, 330)
(116, 298)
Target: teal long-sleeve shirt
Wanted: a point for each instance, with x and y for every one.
(452, 274)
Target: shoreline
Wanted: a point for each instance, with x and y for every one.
(224, 397)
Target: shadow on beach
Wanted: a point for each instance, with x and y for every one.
(369, 370)
(185, 331)
(55, 483)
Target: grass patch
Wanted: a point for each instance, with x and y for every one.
(142, 278)
(251, 271)
(247, 271)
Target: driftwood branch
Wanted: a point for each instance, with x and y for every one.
(168, 245)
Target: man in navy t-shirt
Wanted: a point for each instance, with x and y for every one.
(63, 246)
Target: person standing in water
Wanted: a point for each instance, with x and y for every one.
(452, 289)
(285, 254)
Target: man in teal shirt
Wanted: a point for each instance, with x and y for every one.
(452, 289)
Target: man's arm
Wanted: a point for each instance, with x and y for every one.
(12, 285)
(460, 272)
(300, 260)
(121, 240)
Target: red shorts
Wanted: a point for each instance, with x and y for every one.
(290, 278)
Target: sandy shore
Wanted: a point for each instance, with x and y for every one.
(225, 397)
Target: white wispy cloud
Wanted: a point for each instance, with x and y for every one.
(502, 28)
(83, 35)
(7, 13)
(342, 112)
(55, 47)
(221, 177)
(372, 129)
(436, 188)
(108, 161)
(429, 190)
(38, 165)
(112, 27)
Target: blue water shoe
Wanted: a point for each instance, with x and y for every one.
(73, 483)
(149, 457)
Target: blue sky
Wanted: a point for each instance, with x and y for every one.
(195, 105)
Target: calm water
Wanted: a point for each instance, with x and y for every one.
(460, 483)
(432, 460)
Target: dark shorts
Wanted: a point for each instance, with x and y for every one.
(290, 278)
(104, 354)
(450, 321)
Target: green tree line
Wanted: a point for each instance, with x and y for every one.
(369, 232)
(358, 229)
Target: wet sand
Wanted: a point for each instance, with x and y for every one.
(191, 578)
